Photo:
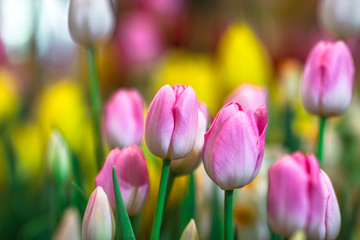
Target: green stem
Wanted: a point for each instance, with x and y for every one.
(161, 200)
(95, 106)
(228, 233)
(80, 191)
(170, 182)
(321, 140)
(124, 229)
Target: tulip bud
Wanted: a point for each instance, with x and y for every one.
(187, 164)
(90, 21)
(190, 232)
(172, 122)
(330, 219)
(98, 221)
(132, 174)
(295, 200)
(340, 17)
(234, 146)
(59, 158)
(327, 84)
(69, 227)
(124, 118)
(249, 96)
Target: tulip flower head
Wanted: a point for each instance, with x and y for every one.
(301, 197)
(249, 96)
(328, 76)
(172, 122)
(124, 118)
(340, 17)
(132, 174)
(98, 221)
(234, 146)
(91, 21)
(69, 226)
(190, 232)
(187, 164)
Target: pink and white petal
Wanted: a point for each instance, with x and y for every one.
(159, 124)
(288, 203)
(210, 136)
(235, 153)
(185, 112)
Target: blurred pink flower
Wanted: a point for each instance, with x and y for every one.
(124, 118)
(139, 38)
(132, 174)
(249, 96)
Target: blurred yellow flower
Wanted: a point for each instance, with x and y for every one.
(8, 95)
(195, 69)
(242, 58)
(29, 151)
(62, 106)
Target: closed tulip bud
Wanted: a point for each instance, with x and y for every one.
(340, 17)
(69, 227)
(124, 118)
(190, 232)
(234, 146)
(330, 216)
(188, 164)
(59, 158)
(249, 96)
(91, 21)
(295, 199)
(133, 178)
(172, 122)
(328, 76)
(98, 221)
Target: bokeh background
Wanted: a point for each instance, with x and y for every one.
(212, 45)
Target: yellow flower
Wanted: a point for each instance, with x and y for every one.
(8, 95)
(29, 151)
(62, 107)
(195, 69)
(242, 58)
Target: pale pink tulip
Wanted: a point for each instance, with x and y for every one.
(295, 200)
(172, 122)
(330, 219)
(327, 85)
(133, 177)
(98, 221)
(234, 146)
(249, 96)
(188, 164)
(124, 118)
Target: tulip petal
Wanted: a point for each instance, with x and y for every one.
(287, 198)
(160, 122)
(235, 152)
(185, 113)
(210, 137)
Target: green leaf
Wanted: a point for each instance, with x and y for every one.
(123, 225)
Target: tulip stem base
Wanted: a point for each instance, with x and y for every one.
(228, 211)
(95, 106)
(124, 229)
(321, 140)
(161, 200)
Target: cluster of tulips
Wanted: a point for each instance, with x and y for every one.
(300, 194)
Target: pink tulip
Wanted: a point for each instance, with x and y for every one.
(328, 79)
(140, 40)
(188, 164)
(301, 197)
(124, 118)
(249, 96)
(98, 221)
(172, 122)
(234, 146)
(330, 219)
(132, 174)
